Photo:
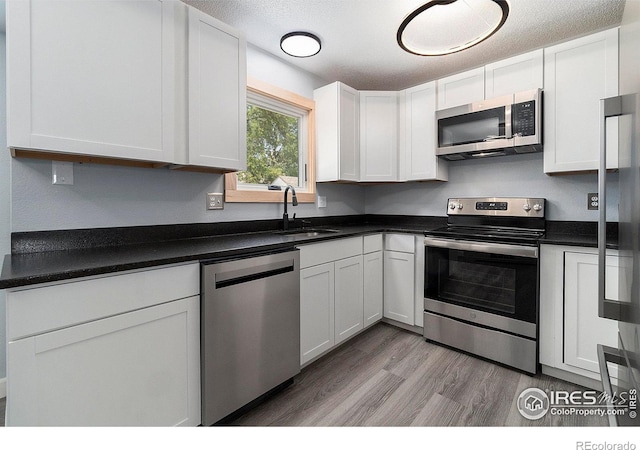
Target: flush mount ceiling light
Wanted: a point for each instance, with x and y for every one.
(441, 27)
(300, 44)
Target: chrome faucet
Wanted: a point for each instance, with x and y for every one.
(294, 202)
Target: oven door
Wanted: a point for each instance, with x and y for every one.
(491, 284)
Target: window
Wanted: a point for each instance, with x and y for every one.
(280, 128)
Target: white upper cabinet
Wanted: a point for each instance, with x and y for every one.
(337, 133)
(217, 83)
(378, 136)
(520, 73)
(152, 80)
(461, 88)
(93, 78)
(577, 75)
(417, 135)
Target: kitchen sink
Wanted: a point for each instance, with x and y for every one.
(308, 232)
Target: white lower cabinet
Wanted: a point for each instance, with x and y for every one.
(399, 288)
(348, 298)
(136, 368)
(332, 300)
(373, 274)
(317, 294)
(583, 328)
(570, 328)
(373, 285)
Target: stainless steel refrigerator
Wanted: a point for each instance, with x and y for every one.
(626, 308)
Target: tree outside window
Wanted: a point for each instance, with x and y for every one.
(280, 147)
(273, 155)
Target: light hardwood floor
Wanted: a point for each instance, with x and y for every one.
(391, 377)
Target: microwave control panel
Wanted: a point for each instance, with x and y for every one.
(523, 116)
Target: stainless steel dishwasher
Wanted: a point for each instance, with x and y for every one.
(250, 330)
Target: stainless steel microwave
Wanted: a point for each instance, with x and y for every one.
(500, 126)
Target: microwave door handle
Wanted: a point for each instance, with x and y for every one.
(493, 137)
(508, 130)
(608, 309)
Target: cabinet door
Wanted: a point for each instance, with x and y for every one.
(520, 73)
(373, 287)
(136, 369)
(399, 286)
(217, 94)
(378, 136)
(348, 298)
(577, 74)
(417, 137)
(349, 133)
(460, 89)
(316, 311)
(583, 328)
(337, 133)
(93, 78)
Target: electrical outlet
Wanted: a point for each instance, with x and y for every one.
(322, 201)
(592, 200)
(215, 200)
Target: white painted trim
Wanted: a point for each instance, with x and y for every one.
(3, 388)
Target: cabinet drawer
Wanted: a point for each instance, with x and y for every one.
(372, 243)
(40, 309)
(399, 243)
(314, 254)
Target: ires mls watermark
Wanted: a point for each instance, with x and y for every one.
(534, 403)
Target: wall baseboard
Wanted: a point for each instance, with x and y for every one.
(3, 387)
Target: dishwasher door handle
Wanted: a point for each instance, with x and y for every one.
(245, 275)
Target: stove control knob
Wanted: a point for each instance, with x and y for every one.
(452, 206)
(526, 207)
(459, 205)
(537, 207)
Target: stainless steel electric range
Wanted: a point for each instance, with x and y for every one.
(482, 279)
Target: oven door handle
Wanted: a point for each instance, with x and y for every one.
(483, 247)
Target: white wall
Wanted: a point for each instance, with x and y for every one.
(510, 176)
(5, 198)
(113, 196)
(272, 70)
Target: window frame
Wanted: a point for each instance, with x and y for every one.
(231, 191)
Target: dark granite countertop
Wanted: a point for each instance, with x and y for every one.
(581, 234)
(41, 257)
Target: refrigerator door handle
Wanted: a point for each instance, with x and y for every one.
(608, 309)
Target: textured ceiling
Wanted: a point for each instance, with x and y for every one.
(359, 36)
